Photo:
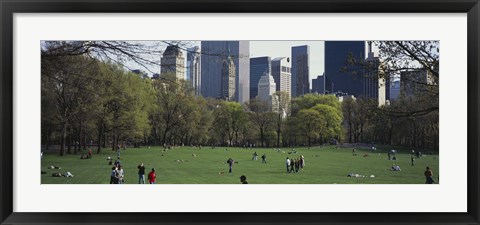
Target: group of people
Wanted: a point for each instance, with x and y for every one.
(294, 165)
(151, 177)
(255, 157)
(87, 155)
(117, 175)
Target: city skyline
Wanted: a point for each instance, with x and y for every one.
(272, 49)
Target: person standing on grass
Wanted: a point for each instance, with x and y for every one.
(118, 151)
(255, 156)
(141, 174)
(230, 164)
(302, 162)
(264, 158)
(412, 159)
(288, 164)
(120, 174)
(429, 176)
(113, 177)
(297, 165)
(292, 165)
(152, 176)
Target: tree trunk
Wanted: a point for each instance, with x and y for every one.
(99, 138)
(63, 139)
(69, 143)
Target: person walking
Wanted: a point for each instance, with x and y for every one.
(141, 173)
(255, 156)
(412, 159)
(152, 176)
(264, 158)
(428, 176)
(288, 164)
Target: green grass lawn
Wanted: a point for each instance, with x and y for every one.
(323, 165)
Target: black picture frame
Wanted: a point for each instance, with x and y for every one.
(10, 7)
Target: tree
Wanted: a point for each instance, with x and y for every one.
(332, 119)
(283, 111)
(311, 124)
(68, 80)
(260, 116)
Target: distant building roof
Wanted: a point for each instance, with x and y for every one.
(172, 50)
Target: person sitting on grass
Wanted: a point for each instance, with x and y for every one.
(395, 168)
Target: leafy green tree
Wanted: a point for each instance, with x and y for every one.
(260, 117)
(311, 123)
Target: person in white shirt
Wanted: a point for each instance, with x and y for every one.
(288, 164)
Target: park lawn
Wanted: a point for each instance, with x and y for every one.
(323, 165)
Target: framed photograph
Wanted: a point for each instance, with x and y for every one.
(332, 113)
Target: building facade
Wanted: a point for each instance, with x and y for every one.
(173, 62)
(414, 82)
(258, 67)
(213, 55)
(300, 70)
(266, 91)
(374, 85)
(193, 68)
(394, 90)
(318, 85)
(338, 80)
(282, 74)
(228, 87)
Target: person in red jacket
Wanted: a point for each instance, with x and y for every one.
(152, 176)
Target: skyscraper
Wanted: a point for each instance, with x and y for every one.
(173, 62)
(193, 68)
(282, 74)
(258, 67)
(415, 82)
(318, 84)
(336, 55)
(228, 79)
(213, 55)
(300, 70)
(373, 81)
(266, 91)
(266, 87)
